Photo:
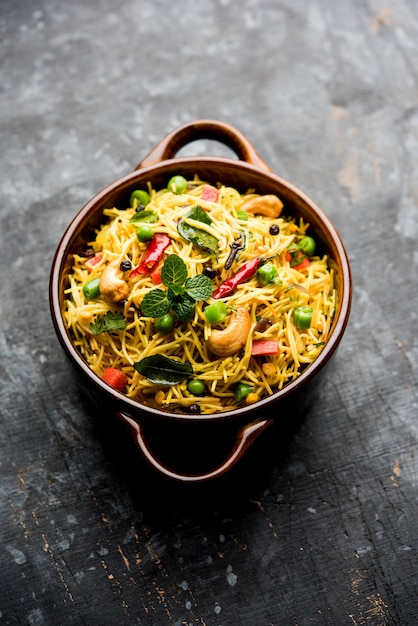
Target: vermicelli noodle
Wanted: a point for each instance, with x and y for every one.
(217, 233)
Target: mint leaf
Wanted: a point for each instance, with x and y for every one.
(144, 216)
(155, 303)
(175, 290)
(197, 236)
(161, 370)
(174, 271)
(199, 287)
(183, 307)
(182, 292)
(112, 320)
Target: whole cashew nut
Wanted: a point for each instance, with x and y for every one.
(268, 205)
(112, 285)
(233, 337)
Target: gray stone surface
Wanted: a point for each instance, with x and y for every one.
(327, 93)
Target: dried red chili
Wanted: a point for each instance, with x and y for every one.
(153, 254)
(247, 271)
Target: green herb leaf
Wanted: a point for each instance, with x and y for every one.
(198, 214)
(197, 236)
(199, 287)
(112, 320)
(174, 271)
(183, 307)
(155, 303)
(297, 256)
(150, 217)
(161, 370)
(175, 290)
(182, 292)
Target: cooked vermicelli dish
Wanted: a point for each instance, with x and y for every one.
(199, 298)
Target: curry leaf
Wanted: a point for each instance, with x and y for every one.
(198, 214)
(196, 235)
(144, 216)
(161, 370)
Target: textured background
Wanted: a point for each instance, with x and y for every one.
(324, 531)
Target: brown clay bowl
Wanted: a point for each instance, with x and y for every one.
(248, 171)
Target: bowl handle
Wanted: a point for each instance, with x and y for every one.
(204, 129)
(245, 437)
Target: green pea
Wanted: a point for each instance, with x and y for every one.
(196, 387)
(144, 232)
(215, 312)
(177, 184)
(266, 274)
(307, 245)
(242, 215)
(91, 289)
(302, 316)
(139, 196)
(164, 324)
(241, 391)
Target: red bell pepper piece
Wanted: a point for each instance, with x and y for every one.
(209, 193)
(153, 254)
(115, 378)
(246, 271)
(92, 261)
(264, 347)
(293, 255)
(156, 277)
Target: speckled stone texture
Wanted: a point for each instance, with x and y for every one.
(318, 528)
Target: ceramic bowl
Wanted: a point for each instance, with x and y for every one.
(246, 171)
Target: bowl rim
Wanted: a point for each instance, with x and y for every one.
(133, 407)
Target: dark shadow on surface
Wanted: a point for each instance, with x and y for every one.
(163, 500)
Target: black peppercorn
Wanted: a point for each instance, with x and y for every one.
(125, 266)
(210, 272)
